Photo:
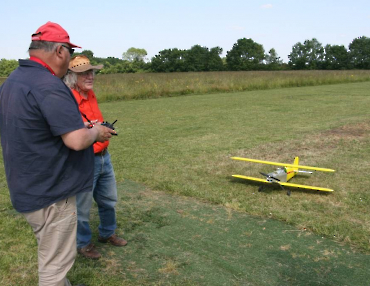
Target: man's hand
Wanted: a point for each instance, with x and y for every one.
(83, 138)
(104, 133)
(90, 124)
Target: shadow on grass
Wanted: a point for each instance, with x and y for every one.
(269, 188)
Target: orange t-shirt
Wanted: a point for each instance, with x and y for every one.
(90, 108)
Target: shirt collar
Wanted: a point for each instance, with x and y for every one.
(43, 64)
(81, 98)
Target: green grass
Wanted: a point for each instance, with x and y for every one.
(181, 241)
(183, 146)
(175, 240)
(226, 233)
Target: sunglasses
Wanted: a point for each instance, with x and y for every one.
(71, 51)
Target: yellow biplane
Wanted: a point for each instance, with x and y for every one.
(281, 176)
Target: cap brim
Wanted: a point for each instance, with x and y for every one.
(74, 46)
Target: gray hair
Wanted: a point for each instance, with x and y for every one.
(70, 79)
(44, 45)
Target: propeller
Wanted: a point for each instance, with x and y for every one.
(277, 182)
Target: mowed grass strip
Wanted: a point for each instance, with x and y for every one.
(175, 240)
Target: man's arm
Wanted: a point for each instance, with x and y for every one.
(83, 138)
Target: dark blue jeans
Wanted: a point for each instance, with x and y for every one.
(105, 195)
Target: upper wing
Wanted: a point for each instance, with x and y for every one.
(284, 184)
(283, 164)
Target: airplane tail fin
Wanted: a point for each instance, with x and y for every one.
(296, 161)
(291, 171)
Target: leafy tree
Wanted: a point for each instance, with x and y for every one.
(273, 61)
(200, 58)
(308, 55)
(116, 65)
(7, 66)
(170, 60)
(360, 53)
(245, 55)
(335, 57)
(88, 54)
(297, 58)
(215, 63)
(134, 54)
(120, 67)
(196, 58)
(111, 60)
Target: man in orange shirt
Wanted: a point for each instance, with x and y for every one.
(80, 78)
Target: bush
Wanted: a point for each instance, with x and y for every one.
(7, 66)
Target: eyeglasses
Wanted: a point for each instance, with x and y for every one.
(86, 73)
(71, 51)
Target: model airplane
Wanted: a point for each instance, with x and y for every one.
(281, 176)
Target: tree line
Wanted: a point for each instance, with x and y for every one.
(245, 55)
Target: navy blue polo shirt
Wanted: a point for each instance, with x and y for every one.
(36, 108)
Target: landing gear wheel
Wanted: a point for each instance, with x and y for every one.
(289, 192)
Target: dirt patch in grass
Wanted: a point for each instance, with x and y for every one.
(311, 147)
(349, 132)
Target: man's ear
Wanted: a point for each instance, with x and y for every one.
(58, 50)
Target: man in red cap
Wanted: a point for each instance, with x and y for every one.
(47, 149)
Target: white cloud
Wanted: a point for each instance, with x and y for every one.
(266, 6)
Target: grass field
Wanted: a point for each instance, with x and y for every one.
(183, 146)
(156, 85)
(225, 232)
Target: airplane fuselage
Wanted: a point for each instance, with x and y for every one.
(279, 175)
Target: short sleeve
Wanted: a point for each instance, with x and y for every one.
(60, 110)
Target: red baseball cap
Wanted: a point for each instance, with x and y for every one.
(52, 32)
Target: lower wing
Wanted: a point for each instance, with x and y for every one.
(284, 184)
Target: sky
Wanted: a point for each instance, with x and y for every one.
(108, 28)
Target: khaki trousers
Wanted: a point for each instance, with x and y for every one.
(55, 230)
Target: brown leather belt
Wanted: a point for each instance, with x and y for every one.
(102, 153)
